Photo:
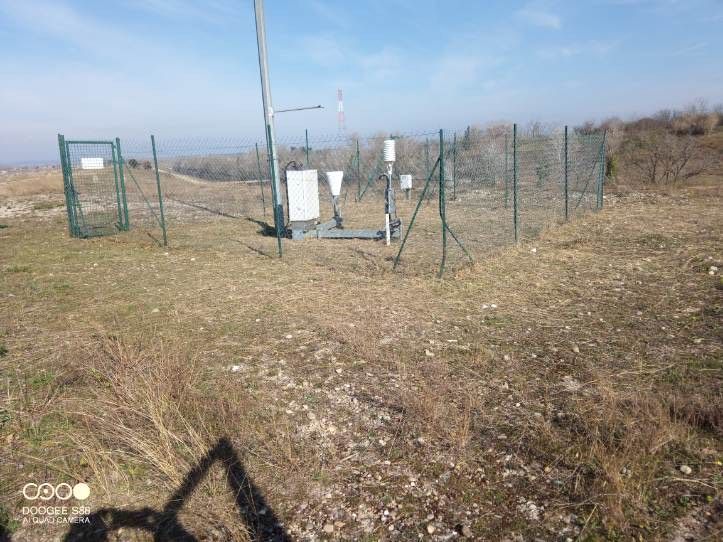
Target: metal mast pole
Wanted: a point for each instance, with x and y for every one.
(268, 112)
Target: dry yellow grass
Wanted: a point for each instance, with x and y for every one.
(31, 183)
(551, 394)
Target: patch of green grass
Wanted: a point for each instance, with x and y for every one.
(40, 433)
(134, 471)
(3, 226)
(41, 380)
(62, 287)
(685, 371)
(18, 269)
(5, 417)
(494, 320)
(321, 476)
(45, 205)
(3, 350)
(672, 375)
(654, 241)
(705, 364)
(7, 523)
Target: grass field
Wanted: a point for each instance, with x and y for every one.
(566, 388)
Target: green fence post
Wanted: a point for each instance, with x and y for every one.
(358, 171)
(160, 194)
(515, 211)
(567, 193)
(61, 145)
(119, 203)
(601, 177)
(507, 172)
(67, 186)
(454, 166)
(278, 209)
(442, 204)
(308, 162)
(127, 224)
(261, 179)
(78, 218)
(426, 154)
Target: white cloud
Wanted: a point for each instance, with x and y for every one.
(597, 48)
(695, 48)
(536, 14)
(59, 21)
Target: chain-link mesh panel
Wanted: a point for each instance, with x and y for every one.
(540, 183)
(502, 186)
(210, 179)
(478, 167)
(585, 172)
(94, 188)
(145, 204)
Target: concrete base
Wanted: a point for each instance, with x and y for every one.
(299, 229)
(331, 230)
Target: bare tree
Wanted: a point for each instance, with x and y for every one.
(659, 157)
(586, 128)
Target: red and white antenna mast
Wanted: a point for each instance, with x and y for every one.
(340, 109)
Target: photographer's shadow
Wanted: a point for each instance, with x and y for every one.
(260, 520)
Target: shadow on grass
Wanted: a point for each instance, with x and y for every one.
(266, 229)
(260, 520)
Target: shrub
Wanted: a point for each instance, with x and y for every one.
(611, 166)
(659, 157)
(689, 124)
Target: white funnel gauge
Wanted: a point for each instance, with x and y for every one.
(335, 178)
(390, 154)
(405, 182)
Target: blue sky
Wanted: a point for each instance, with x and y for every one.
(185, 68)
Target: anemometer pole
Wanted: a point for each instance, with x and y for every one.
(269, 118)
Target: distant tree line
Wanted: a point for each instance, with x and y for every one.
(665, 148)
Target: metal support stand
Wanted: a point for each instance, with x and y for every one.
(334, 228)
(389, 207)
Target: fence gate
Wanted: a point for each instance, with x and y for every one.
(94, 185)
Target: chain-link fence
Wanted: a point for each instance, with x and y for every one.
(500, 187)
(471, 192)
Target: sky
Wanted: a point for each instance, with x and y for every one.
(183, 68)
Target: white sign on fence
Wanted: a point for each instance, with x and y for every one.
(91, 163)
